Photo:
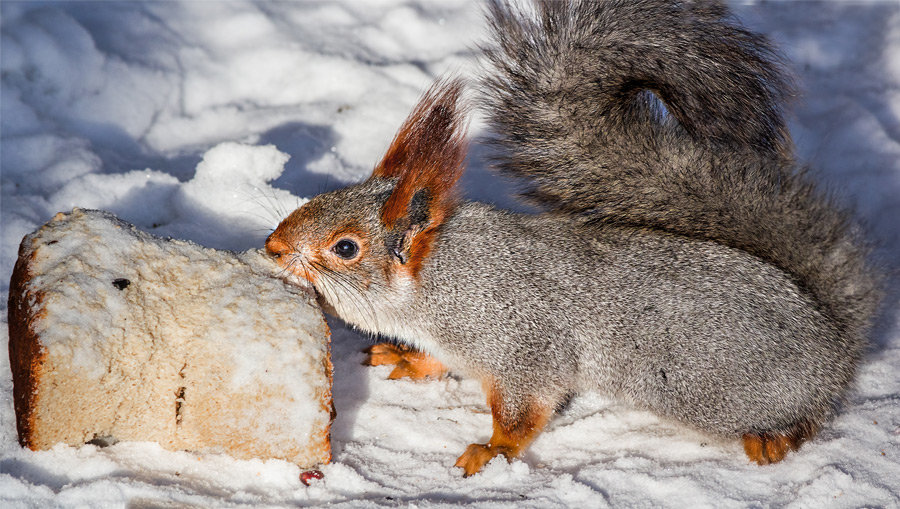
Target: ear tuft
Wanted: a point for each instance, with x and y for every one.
(427, 154)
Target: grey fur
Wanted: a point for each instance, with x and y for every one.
(691, 329)
(568, 99)
(686, 264)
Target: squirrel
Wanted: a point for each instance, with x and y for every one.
(683, 261)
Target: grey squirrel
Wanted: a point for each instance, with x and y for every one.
(683, 261)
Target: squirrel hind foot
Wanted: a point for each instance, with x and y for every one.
(515, 427)
(477, 456)
(408, 363)
(767, 448)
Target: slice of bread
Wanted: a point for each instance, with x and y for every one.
(115, 334)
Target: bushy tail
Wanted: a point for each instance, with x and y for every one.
(668, 115)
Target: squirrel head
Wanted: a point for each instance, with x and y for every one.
(363, 244)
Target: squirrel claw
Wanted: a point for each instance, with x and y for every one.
(477, 456)
(408, 363)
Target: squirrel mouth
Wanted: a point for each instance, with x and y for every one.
(297, 279)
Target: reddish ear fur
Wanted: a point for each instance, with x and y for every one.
(427, 154)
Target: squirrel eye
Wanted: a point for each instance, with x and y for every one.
(346, 249)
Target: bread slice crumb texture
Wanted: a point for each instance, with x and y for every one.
(145, 338)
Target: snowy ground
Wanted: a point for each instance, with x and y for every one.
(113, 105)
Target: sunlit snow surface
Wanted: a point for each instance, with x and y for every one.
(178, 117)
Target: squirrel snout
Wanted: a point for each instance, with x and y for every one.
(288, 257)
(277, 247)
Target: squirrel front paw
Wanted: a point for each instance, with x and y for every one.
(406, 361)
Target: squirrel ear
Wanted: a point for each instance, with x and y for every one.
(402, 238)
(427, 153)
(426, 157)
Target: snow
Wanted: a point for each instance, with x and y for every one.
(177, 116)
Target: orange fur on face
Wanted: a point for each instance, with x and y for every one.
(277, 247)
(301, 250)
(427, 154)
(284, 254)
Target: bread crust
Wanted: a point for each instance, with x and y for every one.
(25, 353)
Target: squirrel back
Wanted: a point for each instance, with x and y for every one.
(669, 116)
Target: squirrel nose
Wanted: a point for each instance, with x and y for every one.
(277, 247)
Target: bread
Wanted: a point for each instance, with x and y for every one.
(115, 334)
